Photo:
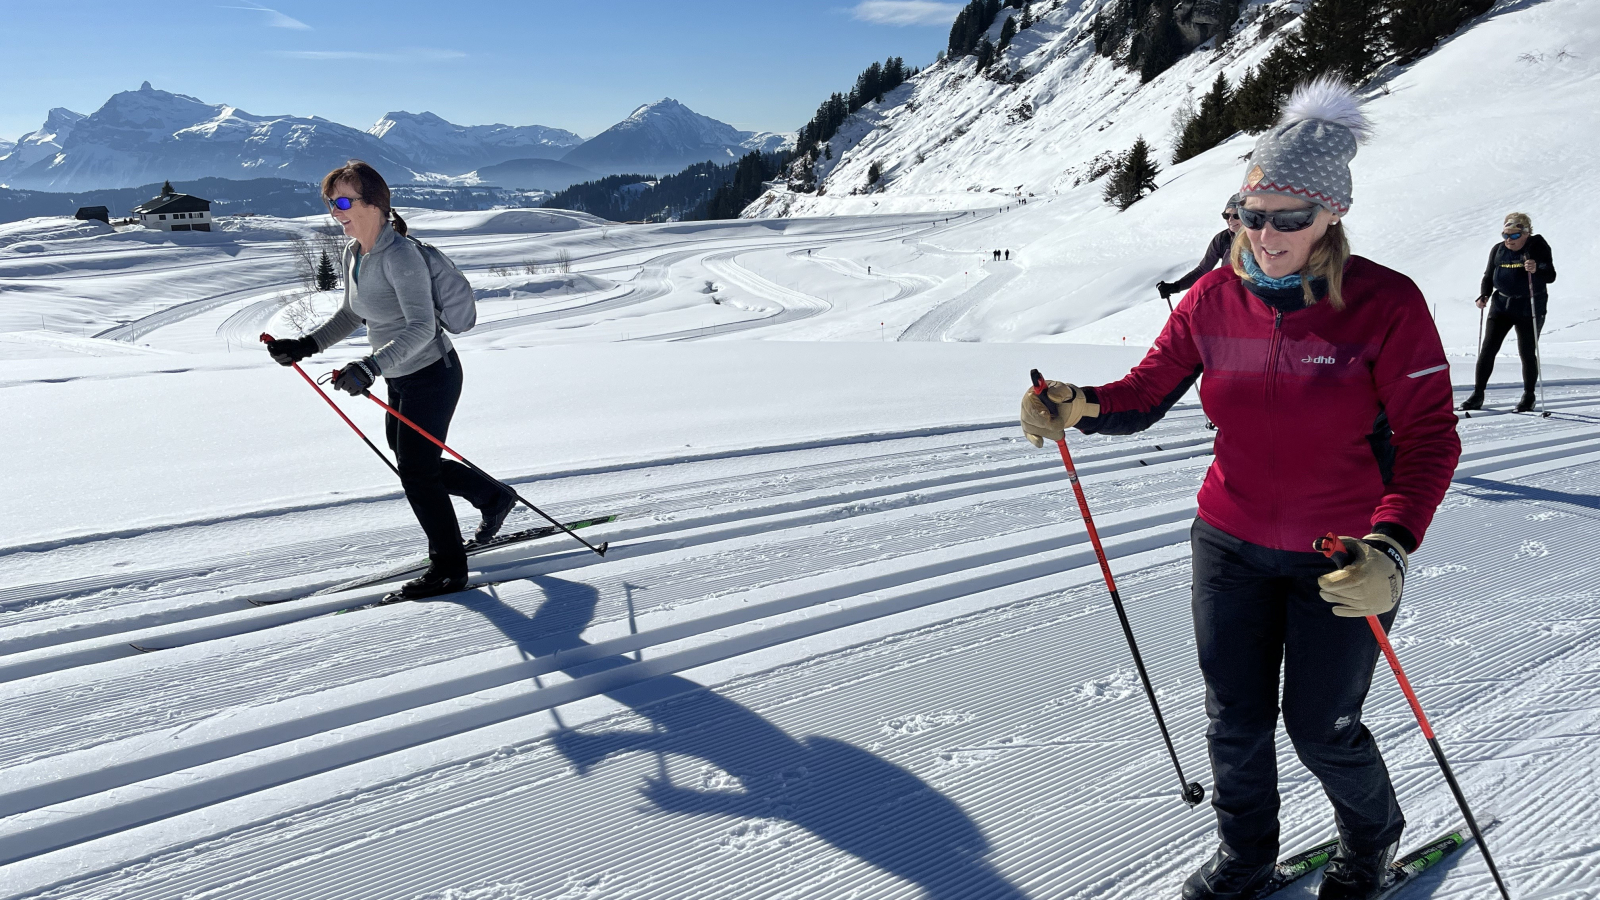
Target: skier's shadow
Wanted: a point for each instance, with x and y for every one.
(859, 803)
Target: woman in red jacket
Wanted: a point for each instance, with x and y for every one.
(1329, 386)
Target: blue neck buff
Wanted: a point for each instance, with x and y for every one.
(1263, 279)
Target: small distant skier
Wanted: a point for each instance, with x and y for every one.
(1008, 256)
(1515, 288)
(387, 286)
(1329, 381)
(1216, 252)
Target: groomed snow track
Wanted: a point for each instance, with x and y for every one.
(884, 668)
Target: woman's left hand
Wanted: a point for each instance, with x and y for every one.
(1532, 265)
(1370, 584)
(355, 378)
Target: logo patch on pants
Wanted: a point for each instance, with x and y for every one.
(1341, 723)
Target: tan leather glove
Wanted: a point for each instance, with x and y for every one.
(1370, 584)
(1071, 404)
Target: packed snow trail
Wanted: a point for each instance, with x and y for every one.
(787, 683)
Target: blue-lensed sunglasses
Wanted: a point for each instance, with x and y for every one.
(340, 202)
(1511, 236)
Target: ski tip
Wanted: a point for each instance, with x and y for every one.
(144, 649)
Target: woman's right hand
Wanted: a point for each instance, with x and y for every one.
(1039, 426)
(288, 351)
(1482, 302)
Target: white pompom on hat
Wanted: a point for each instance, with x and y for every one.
(1307, 154)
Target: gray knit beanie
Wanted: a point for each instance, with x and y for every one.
(1233, 202)
(1307, 154)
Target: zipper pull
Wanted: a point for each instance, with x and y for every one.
(1277, 321)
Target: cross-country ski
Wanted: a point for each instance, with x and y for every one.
(973, 450)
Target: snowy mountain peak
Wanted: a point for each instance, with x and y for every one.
(662, 137)
(437, 145)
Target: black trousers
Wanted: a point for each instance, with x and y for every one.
(1494, 334)
(428, 397)
(1257, 611)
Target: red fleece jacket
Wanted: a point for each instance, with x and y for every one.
(1304, 403)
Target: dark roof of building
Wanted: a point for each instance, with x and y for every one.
(93, 212)
(174, 203)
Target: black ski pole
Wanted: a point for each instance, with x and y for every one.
(318, 388)
(1538, 362)
(599, 551)
(1193, 793)
(1333, 548)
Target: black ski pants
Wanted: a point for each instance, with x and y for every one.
(1256, 612)
(1494, 334)
(428, 397)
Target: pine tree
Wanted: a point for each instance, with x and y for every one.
(874, 172)
(1027, 15)
(1339, 36)
(1132, 177)
(1211, 126)
(1254, 107)
(985, 53)
(1008, 31)
(1413, 27)
(327, 278)
(167, 189)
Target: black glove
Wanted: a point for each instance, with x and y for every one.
(1166, 288)
(288, 351)
(355, 378)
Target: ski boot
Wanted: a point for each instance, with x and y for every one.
(1526, 403)
(432, 583)
(493, 517)
(1474, 401)
(1226, 878)
(1356, 876)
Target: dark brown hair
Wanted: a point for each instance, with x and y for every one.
(369, 185)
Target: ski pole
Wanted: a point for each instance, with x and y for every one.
(1538, 363)
(1193, 793)
(1333, 548)
(599, 551)
(318, 388)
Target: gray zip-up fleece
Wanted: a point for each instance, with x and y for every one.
(388, 289)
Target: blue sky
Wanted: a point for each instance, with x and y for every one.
(760, 65)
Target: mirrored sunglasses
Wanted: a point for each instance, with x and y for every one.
(1510, 235)
(340, 202)
(1286, 220)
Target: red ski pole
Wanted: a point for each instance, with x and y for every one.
(1193, 793)
(599, 551)
(318, 388)
(1333, 548)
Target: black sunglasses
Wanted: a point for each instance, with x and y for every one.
(1286, 220)
(341, 202)
(1229, 217)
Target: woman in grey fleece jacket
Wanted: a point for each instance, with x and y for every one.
(388, 288)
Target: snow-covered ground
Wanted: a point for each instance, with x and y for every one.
(849, 639)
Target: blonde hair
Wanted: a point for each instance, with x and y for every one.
(1520, 220)
(1326, 260)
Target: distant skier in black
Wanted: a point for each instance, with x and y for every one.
(1519, 262)
(1008, 256)
(1216, 252)
(387, 287)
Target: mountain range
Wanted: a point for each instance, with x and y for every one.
(153, 135)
